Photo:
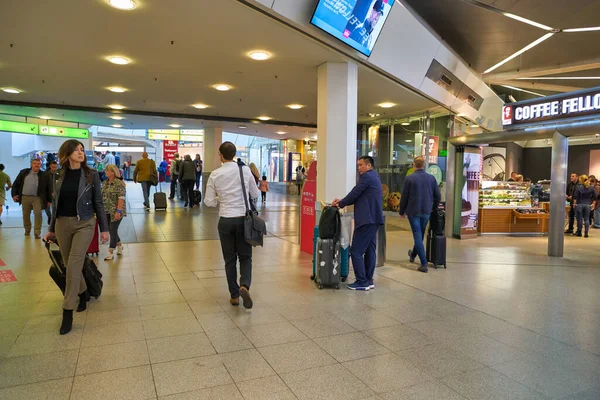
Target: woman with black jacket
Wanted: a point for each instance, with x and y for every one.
(77, 197)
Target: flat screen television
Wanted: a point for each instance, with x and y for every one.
(357, 23)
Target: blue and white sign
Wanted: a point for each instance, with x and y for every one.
(357, 23)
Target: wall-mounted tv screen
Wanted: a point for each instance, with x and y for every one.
(357, 23)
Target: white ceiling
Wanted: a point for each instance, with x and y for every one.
(55, 52)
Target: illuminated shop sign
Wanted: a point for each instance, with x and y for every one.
(561, 106)
(163, 134)
(44, 130)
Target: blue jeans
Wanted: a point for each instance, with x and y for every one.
(363, 252)
(418, 224)
(583, 217)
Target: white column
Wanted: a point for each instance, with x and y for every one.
(558, 188)
(213, 138)
(336, 125)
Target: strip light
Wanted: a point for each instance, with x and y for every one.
(518, 53)
(528, 21)
(567, 78)
(523, 90)
(590, 29)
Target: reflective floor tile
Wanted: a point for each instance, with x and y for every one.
(36, 368)
(130, 383)
(296, 356)
(271, 334)
(266, 389)
(111, 357)
(228, 340)
(179, 347)
(351, 346)
(156, 328)
(59, 389)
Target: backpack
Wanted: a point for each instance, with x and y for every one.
(330, 223)
(177, 166)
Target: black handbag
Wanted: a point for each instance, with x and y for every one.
(254, 227)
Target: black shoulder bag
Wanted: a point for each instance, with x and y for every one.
(254, 227)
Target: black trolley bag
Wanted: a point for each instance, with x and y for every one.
(91, 274)
(436, 239)
(328, 259)
(197, 197)
(160, 199)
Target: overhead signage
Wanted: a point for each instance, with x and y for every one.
(19, 127)
(191, 138)
(574, 104)
(192, 132)
(170, 147)
(60, 131)
(163, 134)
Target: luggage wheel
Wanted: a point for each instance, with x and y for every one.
(337, 287)
(344, 278)
(312, 277)
(320, 287)
(444, 266)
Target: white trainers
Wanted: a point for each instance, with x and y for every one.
(109, 257)
(119, 249)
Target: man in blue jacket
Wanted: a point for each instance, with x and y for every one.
(420, 196)
(367, 197)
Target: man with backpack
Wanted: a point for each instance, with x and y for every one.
(367, 197)
(174, 168)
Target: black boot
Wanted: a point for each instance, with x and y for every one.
(83, 299)
(67, 322)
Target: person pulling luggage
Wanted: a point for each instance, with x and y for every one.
(420, 196)
(367, 197)
(77, 197)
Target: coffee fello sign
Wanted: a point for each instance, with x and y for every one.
(561, 106)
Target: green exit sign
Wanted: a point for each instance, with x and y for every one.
(59, 131)
(19, 127)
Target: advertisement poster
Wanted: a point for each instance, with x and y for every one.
(308, 215)
(471, 170)
(170, 147)
(294, 160)
(357, 23)
(392, 178)
(433, 145)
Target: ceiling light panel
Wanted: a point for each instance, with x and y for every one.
(386, 105)
(116, 106)
(122, 4)
(117, 126)
(119, 60)
(590, 29)
(259, 55)
(264, 118)
(117, 89)
(11, 90)
(529, 22)
(518, 53)
(116, 117)
(175, 126)
(200, 106)
(295, 106)
(221, 87)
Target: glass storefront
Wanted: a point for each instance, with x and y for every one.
(266, 154)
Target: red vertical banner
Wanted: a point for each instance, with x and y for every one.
(170, 147)
(308, 218)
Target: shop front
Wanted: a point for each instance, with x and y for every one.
(484, 199)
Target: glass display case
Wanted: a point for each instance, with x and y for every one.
(494, 194)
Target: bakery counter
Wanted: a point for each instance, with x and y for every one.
(508, 221)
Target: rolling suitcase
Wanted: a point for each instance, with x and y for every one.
(328, 263)
(93, 278)
(197, 197)
(436, 249)
(160, 200)
(94, 247)
(57, 269)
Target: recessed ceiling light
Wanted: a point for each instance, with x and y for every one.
(44, 117)
(200, 106)
(259, 55)
(116, 117)
(117, 89)
(116, 107)
(295, 106)
(405, 123)
(474, 126)
(222, 87)
(386, 105)
(175, 126)
(264, 118)
(119, 60)
(11, 90)
(242, 126)
(122, 4)
(315, 137)
(408, 141)
(117, 126)
(280, 132)
(373, 115)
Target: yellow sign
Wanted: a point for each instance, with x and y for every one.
(163, 134)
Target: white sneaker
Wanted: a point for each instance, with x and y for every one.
(119, 249)
(109, 257)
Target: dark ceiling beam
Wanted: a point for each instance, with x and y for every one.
(543, 71)
(537, 86)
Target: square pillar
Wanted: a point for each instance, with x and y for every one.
(558, 189)
(213, 138)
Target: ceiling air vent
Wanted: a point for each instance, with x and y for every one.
(471, 99)
(450, 82)
(445, 79)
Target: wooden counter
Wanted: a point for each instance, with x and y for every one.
(508, 221)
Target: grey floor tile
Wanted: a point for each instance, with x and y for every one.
(148, 299)
(112, 334)
(156, 287)
(46, 342)
(130, 383)
(296, 356)
(6, 343)
(259, 315)
(364, 320)
(12, 327)
(546, 376)
(245, 365)
(351, 346)
(188, 375)
(169, 310)
(37, 368)
(228, 340)
(156, 328)
(409, 313)
(590, 394)
(322, 326)
(486, 350)
(205, 306)
(431, 390)
(399, 337)
(179, 347)
(386, 373)
(443, 328)
(226, 392)
(51, 323)
(332, 382)
(112, 357)
(59, 389)
(115, 316)
(110, 302)
(270, 388)
(487, 384)
(216, 322)
(440, 360)
(271, 334)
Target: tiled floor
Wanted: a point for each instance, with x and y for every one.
(502, 322)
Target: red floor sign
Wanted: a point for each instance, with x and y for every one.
(7, 276)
